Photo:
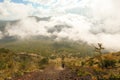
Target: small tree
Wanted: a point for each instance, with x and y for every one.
(62, 61)
(99, 50)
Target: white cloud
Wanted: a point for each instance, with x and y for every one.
(13, 10)
(30, 27)
(43, 2)
(26, 27)
(107, 8)
(7, 0)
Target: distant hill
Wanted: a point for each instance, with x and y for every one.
(43, 46)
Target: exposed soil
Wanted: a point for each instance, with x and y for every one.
(52, 73)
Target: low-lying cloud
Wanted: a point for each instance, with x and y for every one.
(72, 27)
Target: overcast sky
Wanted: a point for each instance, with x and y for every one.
(91, 21)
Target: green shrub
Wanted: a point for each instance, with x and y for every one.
(43, 62)
(114, 77)
(2, 65)
(17, 74)
(83, 73)
(3, 50)
(91, 63)
(82, 63)
(119, 61)
(23, 65)
(108, 63)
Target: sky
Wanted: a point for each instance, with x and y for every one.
(22, 8)
(91, 21)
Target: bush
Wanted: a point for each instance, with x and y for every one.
(119, 61)
(2, 65)
(114, 77)
(108, 63)
(23, 65)
(17, 74)
(3, 50)
(43, 62)
(82, 63)
(83, 73)
(91, 63)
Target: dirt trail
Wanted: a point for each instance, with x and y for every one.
(52, 73)
(49, 73)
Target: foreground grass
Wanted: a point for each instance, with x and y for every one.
(14, 64)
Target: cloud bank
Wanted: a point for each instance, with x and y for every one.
(91, 21)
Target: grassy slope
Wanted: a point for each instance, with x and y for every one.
(49, 46)
(12, 64)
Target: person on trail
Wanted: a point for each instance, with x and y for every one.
(62, 61)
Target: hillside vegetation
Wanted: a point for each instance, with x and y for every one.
(28, 60)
